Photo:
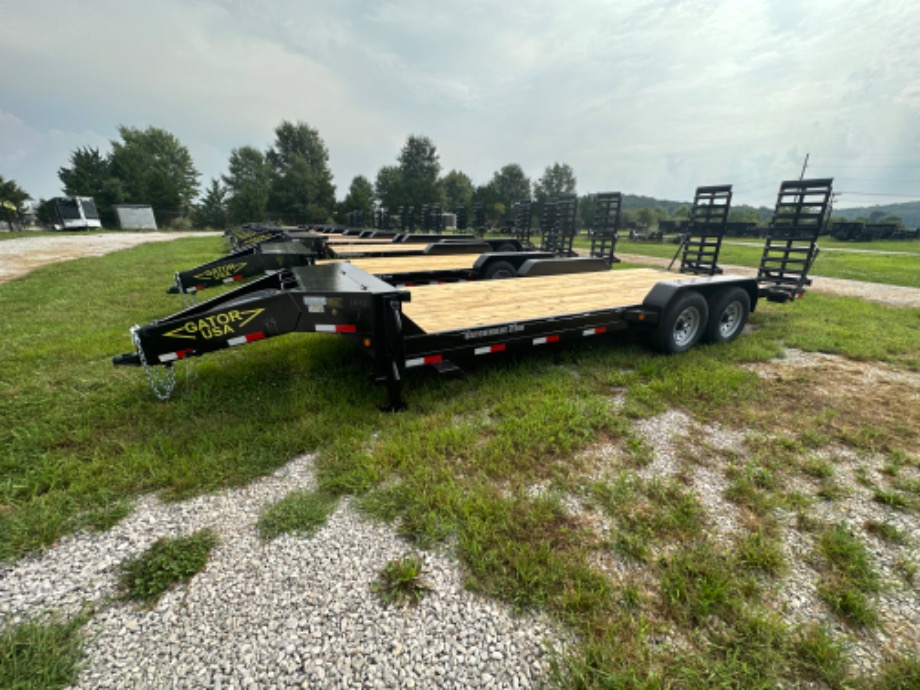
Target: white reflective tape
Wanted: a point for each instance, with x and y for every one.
(325, 328)
(241, 340)
(417, 362)
(169, 357)
(482, 350)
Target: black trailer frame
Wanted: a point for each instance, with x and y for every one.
(401, 329)
(341, 298)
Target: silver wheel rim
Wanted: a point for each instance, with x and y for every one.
(502, 274)
(687, 326)
(731, 317)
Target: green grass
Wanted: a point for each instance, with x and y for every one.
(850, 579)
(300, 512)
(41, 655)
(485, 463)
(168, 563)
(401, 582)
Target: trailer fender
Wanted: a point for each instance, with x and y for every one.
(464, 247)
(663, 293)
(558, 266)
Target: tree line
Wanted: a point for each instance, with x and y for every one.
(291, 182)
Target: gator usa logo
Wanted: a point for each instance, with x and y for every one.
(214, 326)
(220, 272)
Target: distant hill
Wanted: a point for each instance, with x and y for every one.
(633, 202)
(909, 212)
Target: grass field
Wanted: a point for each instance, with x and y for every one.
(657, 506)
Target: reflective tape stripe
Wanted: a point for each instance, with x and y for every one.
(241, 340)
(232, 279)
(594, 331)
(546, 339)
(419, 361)
(335, 328)
(171, 356)
(489, 348)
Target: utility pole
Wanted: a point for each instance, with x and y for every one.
(804, 165)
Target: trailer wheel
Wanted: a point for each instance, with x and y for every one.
(682, 325)
(728, 313)
(507, 247)
(497, 270)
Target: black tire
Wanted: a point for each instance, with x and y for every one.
(498, 270)
(507, 247)
(728, 314)
(682, 325)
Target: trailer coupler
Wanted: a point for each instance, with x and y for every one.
(129, 359)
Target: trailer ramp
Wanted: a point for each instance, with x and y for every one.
(791, 246)
(605, 226)
(702, 243)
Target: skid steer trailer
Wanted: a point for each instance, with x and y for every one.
(430, 325)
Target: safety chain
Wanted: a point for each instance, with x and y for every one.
(161, 383)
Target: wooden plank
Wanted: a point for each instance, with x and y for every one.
(386, 248)
(456, 306)
(403, 264)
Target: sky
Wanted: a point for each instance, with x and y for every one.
(652, 97)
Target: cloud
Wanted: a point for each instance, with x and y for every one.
(645, 97)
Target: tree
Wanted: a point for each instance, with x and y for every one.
(11, 198)
(557, 179)
(90, 174)
(211, 212)
(456, 189)
(301, 187)
(419, 168)
(360, 198)
(249, 182)
(388, 187)
(11, 192)
(154, 168)
(508, 185)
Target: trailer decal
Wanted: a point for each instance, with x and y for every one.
(225, 273)
(546, 339)
(336, 328)
(216, 325)
(594, 331)
(501, 347)
(491, 332)
(315, 305)
(419, 361)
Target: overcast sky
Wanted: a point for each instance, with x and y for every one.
(654, 97)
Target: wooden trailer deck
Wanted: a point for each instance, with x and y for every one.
(339, 240)
(385, 248)
(456, 306)
(387, 265)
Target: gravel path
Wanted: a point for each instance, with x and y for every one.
(294, 612)
(21, 255)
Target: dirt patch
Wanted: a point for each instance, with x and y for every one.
(862, 404)
(19, 256)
